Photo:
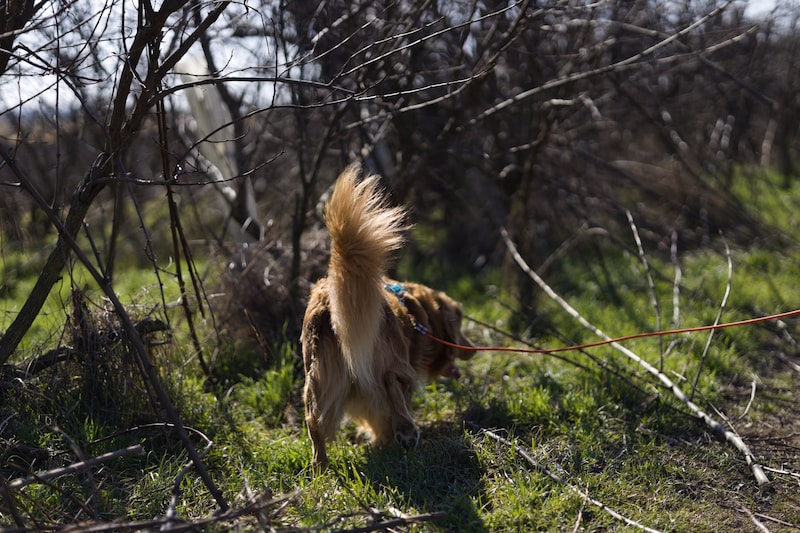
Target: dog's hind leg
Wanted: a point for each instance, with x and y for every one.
(324, 413)
(319, 460)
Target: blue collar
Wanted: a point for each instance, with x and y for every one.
(398, 290)
(400, 293)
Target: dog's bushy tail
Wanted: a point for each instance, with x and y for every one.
(365, 231)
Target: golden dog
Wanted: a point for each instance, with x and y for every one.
(364, 350)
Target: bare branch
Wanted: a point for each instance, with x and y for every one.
(650, 285)
(16, 484)
(388, 525)
(618, 66)
(756, 522)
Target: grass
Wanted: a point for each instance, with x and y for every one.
(589, 422)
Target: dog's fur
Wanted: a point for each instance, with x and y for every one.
(363, 356)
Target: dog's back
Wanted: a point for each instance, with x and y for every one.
(364, 233)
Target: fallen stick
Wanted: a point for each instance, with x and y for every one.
(555, 477)
(69, 469)
(395, 522)
(761, 478)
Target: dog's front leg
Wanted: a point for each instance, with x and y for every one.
(399, 390)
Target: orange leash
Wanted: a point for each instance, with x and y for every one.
(778, 316)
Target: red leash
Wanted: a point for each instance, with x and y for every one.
(778, 316)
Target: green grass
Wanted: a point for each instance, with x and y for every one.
(594, 420)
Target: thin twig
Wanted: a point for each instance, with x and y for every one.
(436, 34)
(5, 422)
(716, 320)
(794, 366)
(579, 518)
(558, 479)
(623, 64)
(776, 520)
(90, 477)
(676, 283)
(180, 247)
(783, 472)
(604, 365)
(651, 286)
(750, 402)
(756, 522)
(387, 525)
(730, 436)
(252, 506)
(171, 514)
(10, 504)
(69, 469)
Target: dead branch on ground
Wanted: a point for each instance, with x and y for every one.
(732, 437)
(558, 479)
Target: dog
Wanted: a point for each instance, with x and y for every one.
(363, 338)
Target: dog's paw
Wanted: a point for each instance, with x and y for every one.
(407, 435)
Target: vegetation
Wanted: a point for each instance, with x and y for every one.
(520, 442)
(164, 168)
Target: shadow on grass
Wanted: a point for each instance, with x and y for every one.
(443, 474)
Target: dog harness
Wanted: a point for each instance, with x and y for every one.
(400, 293)
(398, 290)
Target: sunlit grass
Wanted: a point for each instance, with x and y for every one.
(593, 420)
